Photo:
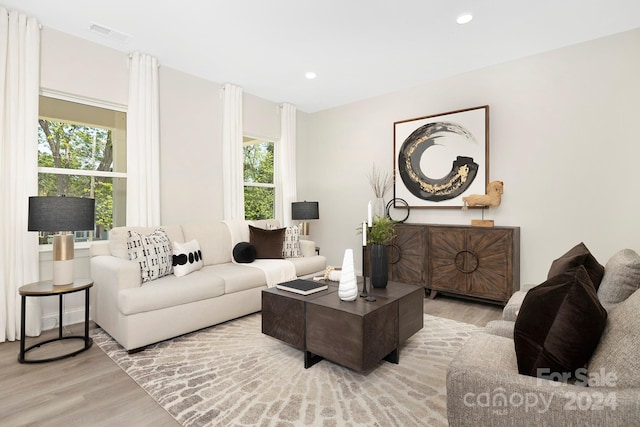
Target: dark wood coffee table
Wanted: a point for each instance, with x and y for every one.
(356, 334)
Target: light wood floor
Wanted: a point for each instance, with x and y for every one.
(474, 312)
(91, 390)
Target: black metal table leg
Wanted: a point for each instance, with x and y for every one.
(60, 316)
(87, 340)
(22, 326)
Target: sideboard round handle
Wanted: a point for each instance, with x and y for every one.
(395, 251)
(467, 261)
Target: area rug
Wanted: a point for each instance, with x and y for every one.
(233, 375)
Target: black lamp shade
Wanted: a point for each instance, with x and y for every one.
(61, 213)
(304, 210)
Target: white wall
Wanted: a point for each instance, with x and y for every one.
(191, 144)
(75, 66)
(563, 138)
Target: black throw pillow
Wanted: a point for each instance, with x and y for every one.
(578, 255)
(559, 326)
(244, 253)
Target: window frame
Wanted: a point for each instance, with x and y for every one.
(79, 172)
(274, 184)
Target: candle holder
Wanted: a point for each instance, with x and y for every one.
(365, 293)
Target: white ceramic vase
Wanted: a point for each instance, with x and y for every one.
(348, 287)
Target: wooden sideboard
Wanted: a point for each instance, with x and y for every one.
(475, 262)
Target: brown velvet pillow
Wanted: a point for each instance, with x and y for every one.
(268, 243)
(559, 326)
(578, 255)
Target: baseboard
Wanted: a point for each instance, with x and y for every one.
(70, 317)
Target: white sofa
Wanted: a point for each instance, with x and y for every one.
(137, 314)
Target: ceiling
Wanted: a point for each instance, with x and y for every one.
(358, 49)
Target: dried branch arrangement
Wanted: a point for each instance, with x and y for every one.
(380, 182)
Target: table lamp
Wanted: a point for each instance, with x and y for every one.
(304, 211)
(62, 215)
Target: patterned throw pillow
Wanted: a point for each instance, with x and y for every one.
(152, 252)
(291, 245)
(187, 258)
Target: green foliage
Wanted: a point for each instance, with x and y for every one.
(104, 204)
(259, 201)
(383, 230)
(258, 162)
(71, 146)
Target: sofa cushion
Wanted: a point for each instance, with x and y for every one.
(244, 253)
(502, 328)
(484, 352)
(621, 278)
(214, 239)
(616, 361)
(559, 325)
(291, 244)
(170, 291)
(238, 277)
(187, 258)
(511, 309)
(152, 252)
(266, 224)
(307, 247)
(309, 265)
(118, 237)
(268, 243)
(578, 255)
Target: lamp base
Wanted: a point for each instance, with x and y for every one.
(62, 272)
(304, 228)
(62, 259)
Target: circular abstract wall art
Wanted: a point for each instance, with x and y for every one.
(418, 182)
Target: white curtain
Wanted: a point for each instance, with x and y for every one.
(143, 142)
(286, 160)
(232, 155)
(19, 87)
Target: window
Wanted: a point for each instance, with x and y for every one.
(82, 153)
(259, 185)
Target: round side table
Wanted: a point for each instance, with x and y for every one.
(45, 289)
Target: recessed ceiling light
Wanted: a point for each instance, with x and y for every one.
(310, 75)
(464, 19)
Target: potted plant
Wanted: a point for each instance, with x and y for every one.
(383, 230)
(381, 233)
